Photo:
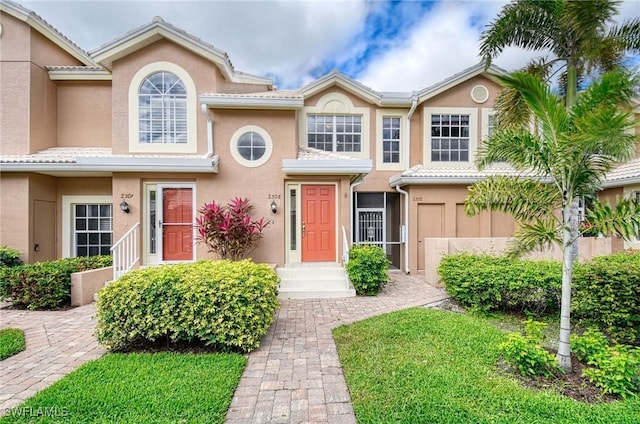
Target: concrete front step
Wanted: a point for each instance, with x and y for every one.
(307, 282)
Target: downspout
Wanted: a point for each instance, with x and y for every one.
(407, 163)
(406, 228)
(407, 153)
(207, 115)
(354, 184)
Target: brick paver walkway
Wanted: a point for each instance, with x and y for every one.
(295, 376)
(57, 343)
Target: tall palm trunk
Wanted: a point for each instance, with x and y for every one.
(564, 347)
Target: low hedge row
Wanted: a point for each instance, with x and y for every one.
(490, 283)
(604, 289)
(605, 295)
(227, 305)
(9, 257)
(45, 285)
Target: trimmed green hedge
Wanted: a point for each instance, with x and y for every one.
(45, 285)
(227, 305)
(491, 283)
(9, 257)
(606, 295)
(367, 269)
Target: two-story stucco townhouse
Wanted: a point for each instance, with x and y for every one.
(131, 139)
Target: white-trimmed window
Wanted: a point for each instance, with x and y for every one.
(335, 133)
(450, 137)
(92, 229)
(251, 146)
(318, 128)
(391, 139)
(162, 109)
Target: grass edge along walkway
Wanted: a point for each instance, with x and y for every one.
(424, 365)
(139, 387)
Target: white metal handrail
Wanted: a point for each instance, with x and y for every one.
(125, 252)
(345, 246)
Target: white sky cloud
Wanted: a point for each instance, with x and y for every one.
(295, 41)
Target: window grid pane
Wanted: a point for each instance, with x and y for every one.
(449, 138)
(93, 229)
(390, 140)
(162, 114)
(334, 133)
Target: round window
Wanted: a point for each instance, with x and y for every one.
(251, 146)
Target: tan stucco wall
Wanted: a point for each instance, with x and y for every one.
(84, 114)
(454, 222)
(14, 212)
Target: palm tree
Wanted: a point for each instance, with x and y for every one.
(574, 32)
(565, 159)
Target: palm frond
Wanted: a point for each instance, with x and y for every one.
(529, 24)
(627, 35)
(539, 234)
(524, 198)
(622, 220)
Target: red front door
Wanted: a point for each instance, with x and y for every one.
(318, 223)
(177, 225)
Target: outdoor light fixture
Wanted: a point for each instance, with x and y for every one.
(124, 206)
(274, 206)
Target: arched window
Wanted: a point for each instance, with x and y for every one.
(162, 109)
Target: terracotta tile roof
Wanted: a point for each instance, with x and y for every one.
(70, 155)
(258, 95)
(625, 171)
(314, 154)
(421, 171)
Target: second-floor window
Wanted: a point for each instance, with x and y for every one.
(335, 133)
(449, 138)
(162, 110)
(390, 139)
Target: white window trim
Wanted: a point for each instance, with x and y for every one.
(392, 113)
(337, 104)
(233, 146)
(191, 146)
(473, 135)
(67, 219)
(486, 113)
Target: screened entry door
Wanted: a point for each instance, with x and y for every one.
(318, 223)
(175, 222)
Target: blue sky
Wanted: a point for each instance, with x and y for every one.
(387, 45)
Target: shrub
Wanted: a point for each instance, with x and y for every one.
(367, 269)
(525, 351)
(45, 285)
(490, 283)
(606, 295)
(615, 369)
(11, 342)
(228, 230)
(589, 345)
(227, 305)
(9, 257)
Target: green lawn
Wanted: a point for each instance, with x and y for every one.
(11, 342)
(429, 366)
(139, 388)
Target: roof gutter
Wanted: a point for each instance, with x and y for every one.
(326, 167)
(103, 164)
(621, 182)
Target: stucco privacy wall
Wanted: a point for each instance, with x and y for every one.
(436, 248)
(438, 211)
(84, 285)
